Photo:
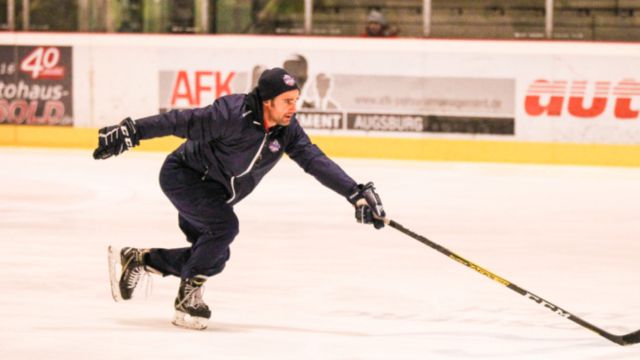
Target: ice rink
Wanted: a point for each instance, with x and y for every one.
(305, 281)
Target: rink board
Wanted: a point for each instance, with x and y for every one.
(370, 147)
(425, 99)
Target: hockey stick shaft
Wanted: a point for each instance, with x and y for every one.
(628, 339)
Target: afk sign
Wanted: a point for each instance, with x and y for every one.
(181, 89)
(192, 88)
(584, 99)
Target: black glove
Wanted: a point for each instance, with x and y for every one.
(116, 139)
(369, 208)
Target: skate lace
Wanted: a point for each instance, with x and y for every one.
(134, 277)
(140, 275)
(194, 296)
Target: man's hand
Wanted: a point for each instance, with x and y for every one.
(116, 139)
(369, 208)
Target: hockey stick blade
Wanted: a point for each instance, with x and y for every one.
(631, 338)
(628, 339)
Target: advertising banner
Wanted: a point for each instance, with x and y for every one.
(188, 88)
(592, 109)
(410, 104)
(348, 102)
(36, 85)
(564, 92)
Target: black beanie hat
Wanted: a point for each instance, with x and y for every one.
(274, 82)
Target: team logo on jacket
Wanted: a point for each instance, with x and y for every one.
(289, 80)
(274, 146)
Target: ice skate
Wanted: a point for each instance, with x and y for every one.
(133, 268)
(191, 311)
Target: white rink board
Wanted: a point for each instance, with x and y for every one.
(115, 76)
(305, 281)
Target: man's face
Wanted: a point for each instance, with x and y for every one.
(280, 110)
(374, 28)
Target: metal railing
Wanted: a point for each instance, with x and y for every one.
(426, 18)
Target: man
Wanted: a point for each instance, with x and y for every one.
(377, 26)
(230, 145)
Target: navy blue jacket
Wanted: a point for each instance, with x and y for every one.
(227, 142)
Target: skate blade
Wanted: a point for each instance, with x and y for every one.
(114, 262)
(187, 321)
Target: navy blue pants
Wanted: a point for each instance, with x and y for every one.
(208, 222)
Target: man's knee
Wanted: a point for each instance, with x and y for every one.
(233, 227)
(225, 233)
(225, 225)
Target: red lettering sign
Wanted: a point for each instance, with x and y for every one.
(200, 87)
(581, 99)
(26, 112)
(42, 63)
(577, 99)
(554, 90)
(181, 89)
(624, 91)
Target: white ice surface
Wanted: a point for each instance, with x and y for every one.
(306, 282)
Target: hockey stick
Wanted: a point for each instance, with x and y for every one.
(628, 339)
